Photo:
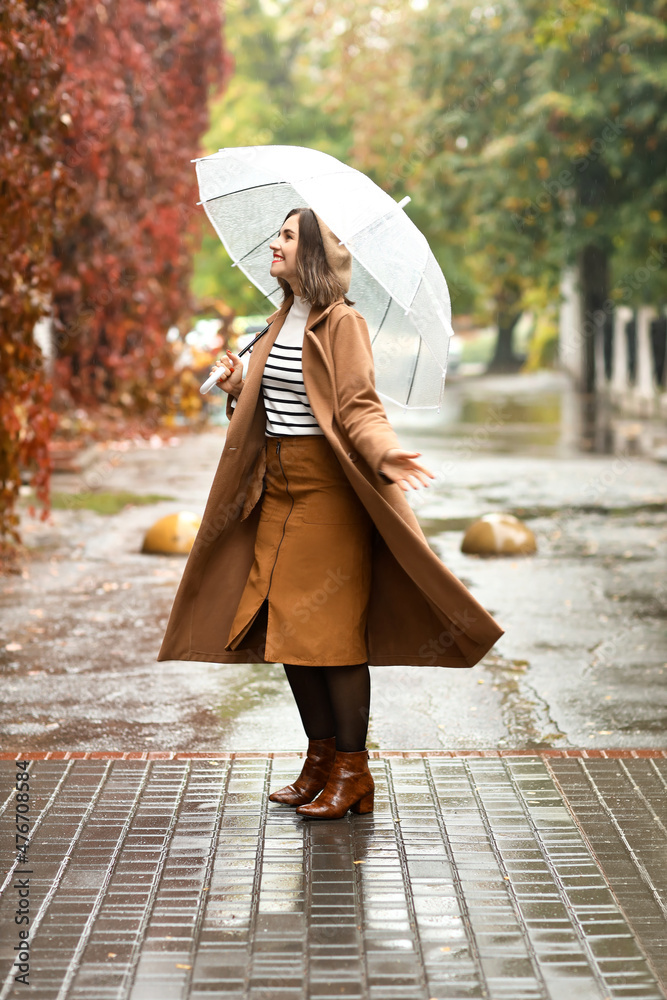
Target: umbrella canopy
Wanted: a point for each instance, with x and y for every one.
(397, 284)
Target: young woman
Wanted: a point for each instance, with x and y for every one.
(309, 553)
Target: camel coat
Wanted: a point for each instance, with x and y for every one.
(419, 613)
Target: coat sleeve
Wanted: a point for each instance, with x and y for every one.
(361, 411)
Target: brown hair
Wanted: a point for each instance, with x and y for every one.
(319, 283)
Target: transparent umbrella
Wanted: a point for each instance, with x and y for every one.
(397, 284)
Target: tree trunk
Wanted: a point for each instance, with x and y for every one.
(508, 315)
(594, 283)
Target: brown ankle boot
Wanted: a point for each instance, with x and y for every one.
(313, 777)
(350, 786)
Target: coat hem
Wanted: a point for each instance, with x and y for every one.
(385, 661)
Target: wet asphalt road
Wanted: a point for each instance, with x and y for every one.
(583, 661)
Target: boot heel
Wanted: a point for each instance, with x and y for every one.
(364, 805)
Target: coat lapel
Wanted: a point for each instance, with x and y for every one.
(258, 356)
(261, 351)
(312, 337)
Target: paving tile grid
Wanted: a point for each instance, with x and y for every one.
(482, 875)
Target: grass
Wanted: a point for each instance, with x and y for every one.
(103, 503)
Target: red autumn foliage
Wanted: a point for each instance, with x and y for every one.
(136, 81)
(104, 106)
(29, 185)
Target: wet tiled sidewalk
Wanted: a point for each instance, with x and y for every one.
(505, 876)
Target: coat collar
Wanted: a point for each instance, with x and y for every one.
(315, 316)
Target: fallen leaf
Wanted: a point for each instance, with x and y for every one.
(13, 647)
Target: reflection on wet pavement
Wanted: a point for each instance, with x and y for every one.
(80, 630)
(525, 714)
(479, 877)
(530, 414)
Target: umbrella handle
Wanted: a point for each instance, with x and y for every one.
(213, 378)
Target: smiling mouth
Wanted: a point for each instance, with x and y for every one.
(277, 258)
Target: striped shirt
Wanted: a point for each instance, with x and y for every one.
(286, 402)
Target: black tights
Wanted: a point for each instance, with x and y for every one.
(333, 701)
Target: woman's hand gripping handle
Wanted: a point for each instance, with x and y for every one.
(229, 372)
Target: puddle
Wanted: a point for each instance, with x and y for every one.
(259, 684)
(435, 525)
(513, 410)
(525, 714)
(534, 413)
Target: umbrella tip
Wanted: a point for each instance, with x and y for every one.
(404, 201)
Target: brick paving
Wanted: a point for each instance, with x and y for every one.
(502, 875)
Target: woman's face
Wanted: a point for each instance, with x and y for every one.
(284, 249)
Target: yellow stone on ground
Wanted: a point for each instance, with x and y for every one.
(498, 534)
(174, 533)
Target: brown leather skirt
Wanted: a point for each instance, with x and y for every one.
(307, 593)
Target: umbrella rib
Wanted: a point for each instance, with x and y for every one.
(377, 332)
(269, 237)
(253, 187)
(414, 371)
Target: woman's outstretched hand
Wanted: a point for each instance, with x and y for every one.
(401, 468)
(231, 373)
